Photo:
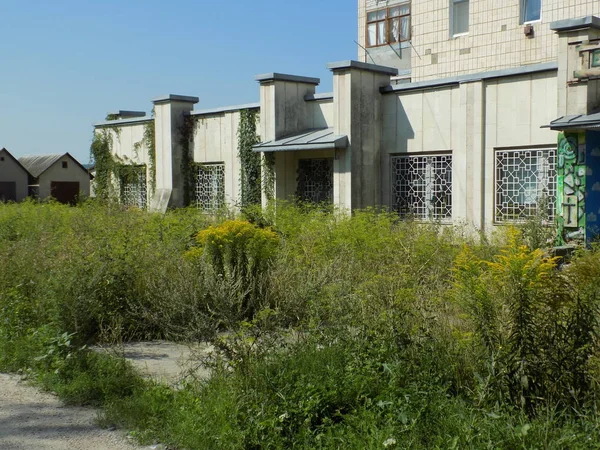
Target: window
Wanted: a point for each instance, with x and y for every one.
(133, 187)
(388, 26)
(65, 165)
(525, 184)
(209, 188)
(422, 186)
(315, 180)
(459, 16)
(530, 10)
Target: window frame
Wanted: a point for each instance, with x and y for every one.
(504, 218)
(214, 204)
(142, 186)
(388, 19)
(453, 4)
(430, 212)
(523, 9)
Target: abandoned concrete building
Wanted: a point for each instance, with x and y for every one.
(482, 113)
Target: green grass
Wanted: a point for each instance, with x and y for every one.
(363, 331)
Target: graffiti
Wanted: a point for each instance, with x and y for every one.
(571, 181)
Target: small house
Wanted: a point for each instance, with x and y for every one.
(57, 175)
(14, 178)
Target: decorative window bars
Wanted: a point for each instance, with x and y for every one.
(209, 187)
(422, 186)
(525, 184)
(134, 188)
(315, 180)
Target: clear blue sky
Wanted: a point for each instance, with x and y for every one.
(64, 64)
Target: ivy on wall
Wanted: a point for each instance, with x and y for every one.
(269, 175)
(186, 133)
(250, 161)
(101, 157)
(149, 141)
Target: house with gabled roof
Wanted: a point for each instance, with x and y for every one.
(14, 178)
(56, 175)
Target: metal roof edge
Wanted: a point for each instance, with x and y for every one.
(133, 121)
(224, 109)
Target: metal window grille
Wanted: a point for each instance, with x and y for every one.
(210, 187)
(422, 186)
(525, 184)
(315, 180)
(134, 190)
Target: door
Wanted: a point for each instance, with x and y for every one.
(65, 191)
(8, 191)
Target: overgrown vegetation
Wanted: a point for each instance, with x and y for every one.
(330, 331)
(250, 161)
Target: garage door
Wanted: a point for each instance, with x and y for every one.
(8, 191)
(65, 191)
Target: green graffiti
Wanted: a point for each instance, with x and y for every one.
(570, 187)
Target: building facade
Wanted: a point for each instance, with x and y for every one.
(464, 112)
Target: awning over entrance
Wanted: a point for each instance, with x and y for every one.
(319, 139)
(576, 122)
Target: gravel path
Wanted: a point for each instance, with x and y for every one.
(32, 420)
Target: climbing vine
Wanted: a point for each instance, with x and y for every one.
(268, 175)
(101, 157)
(150, 144)
(186, 132)
(250, 161)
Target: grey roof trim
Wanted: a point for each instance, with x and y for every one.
(523, 70)
(575, 122)
(350, 64)
(135, 121)
(274, 76)
(224, 109)
(574, 24)
(175, 98)
(127, 114)
(38, 164)
(14, 159)
(317, 97)
(314, 139)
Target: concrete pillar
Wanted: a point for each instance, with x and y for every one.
(283, 112)
(169, 114)
(358, 113)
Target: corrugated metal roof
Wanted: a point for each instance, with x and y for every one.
(316, 139)
(38, 164)
(576, 121)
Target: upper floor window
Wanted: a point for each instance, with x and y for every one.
(459, 17)
(531, 10)
(388, 26)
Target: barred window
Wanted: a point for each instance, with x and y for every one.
(209, 186)
(315, 180)
(422, 186)
(134, 188)
(525, 184)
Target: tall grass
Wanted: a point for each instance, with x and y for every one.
(357, 331)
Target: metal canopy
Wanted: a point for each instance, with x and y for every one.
(576, 122)
(319, 139)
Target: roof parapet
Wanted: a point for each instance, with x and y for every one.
(274, 76)
(351, 64)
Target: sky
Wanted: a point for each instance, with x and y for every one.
(65, 64)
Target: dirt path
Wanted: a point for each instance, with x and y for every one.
(30, 419)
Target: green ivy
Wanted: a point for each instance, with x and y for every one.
(186, 132)
(268, 175)
(101, 157)
(250, 161)
(150, 144)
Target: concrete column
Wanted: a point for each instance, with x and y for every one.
(169, 114)
(358, 113)
(283, 112)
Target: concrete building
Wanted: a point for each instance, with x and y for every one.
(57, 175)
(480, 113)
(14, 178)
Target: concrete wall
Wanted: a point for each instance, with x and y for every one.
(12, 171)
(495, 40)
(320, 113)
(470, 120)
(56, 172)
(128, 143)
(216, 141)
